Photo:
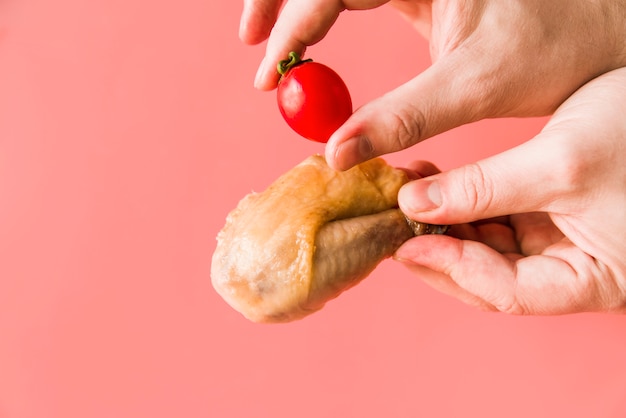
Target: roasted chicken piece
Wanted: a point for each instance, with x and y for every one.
(309, 236)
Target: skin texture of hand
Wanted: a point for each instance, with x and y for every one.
(490, 59)
(538, 229)
(563, 249)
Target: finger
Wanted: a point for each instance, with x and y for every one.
(302, 23)
(417, 13)
(439, 99)
(562, 281)
(535, 232)
(495, 232)
(498, 236)
(503, 220)
(549, 173)
(444, 284)
(423, 168)
(257, 19)
(418, 169)
(535, 176)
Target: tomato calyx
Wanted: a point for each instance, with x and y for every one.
(294, 60)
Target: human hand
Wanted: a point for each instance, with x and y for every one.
(551, 239)
(491, 59)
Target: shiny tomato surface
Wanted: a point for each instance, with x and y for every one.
(314, 100)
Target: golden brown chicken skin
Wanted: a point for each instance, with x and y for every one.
(309, 236)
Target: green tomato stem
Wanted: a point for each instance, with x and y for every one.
(294, 60)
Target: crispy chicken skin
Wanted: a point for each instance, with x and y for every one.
(309, 236)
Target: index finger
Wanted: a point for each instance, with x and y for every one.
(300, 24)
(561, 280)
(257, 19)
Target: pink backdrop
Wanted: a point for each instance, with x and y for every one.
(128, 130)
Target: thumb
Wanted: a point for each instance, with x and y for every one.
(438, 99)
(523, 179)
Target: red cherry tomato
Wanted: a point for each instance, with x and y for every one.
(312, 98)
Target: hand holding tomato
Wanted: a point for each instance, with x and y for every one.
(491, 59)
(312, 98)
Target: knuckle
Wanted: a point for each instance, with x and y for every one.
(512, 307)
(407, 125)
(512, 304)
(476, 188)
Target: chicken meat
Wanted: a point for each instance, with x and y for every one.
(312, 234)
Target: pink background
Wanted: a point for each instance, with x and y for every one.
(128, 130)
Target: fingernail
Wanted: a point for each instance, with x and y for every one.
(353, 151)
(259, 74)
(421, 195)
